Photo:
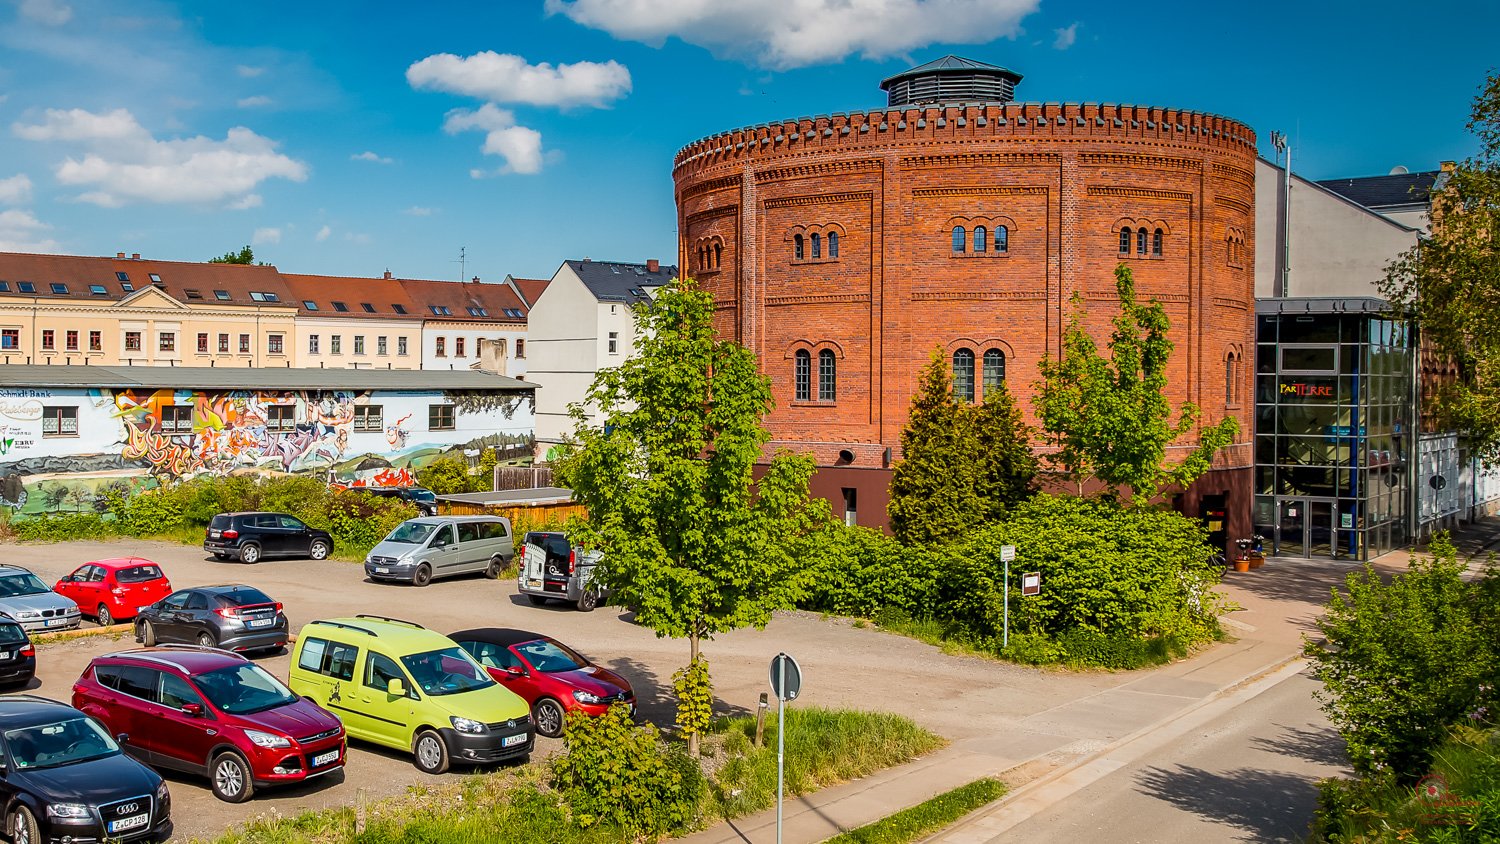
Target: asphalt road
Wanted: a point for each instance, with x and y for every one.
(1245, 776)
(961, 698)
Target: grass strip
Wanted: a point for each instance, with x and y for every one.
(927, 817)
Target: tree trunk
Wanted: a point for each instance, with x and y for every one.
(693, 659)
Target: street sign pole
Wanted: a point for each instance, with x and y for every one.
(1007, 553)
(780, 742)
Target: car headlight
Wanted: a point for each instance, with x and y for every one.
(27, 614)
(584, 697)
(161, 793)
(74, 811)
(267, 739)
(467, 725)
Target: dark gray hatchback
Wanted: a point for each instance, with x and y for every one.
(234, 618)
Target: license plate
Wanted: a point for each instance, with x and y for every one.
(260, 622)
(534, 583)
(512, 741)
(213, 534)
(382, 570)
(131, 822)
(4, 654)
(56, 622)
(325, 758)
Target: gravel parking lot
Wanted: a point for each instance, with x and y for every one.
(958, 697)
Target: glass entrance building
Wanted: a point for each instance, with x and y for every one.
(1333, 428)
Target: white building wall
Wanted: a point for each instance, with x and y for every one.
(565, 332)
(471, 334)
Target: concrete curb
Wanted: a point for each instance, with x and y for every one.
(82, 633)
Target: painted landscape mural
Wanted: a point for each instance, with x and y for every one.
(58, 447)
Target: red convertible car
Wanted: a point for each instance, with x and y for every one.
(549, 675)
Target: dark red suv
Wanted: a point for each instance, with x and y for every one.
(206, 711)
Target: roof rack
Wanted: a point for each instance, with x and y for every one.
(341, 624)
(28, 698)
(179, 646)
(392, 620)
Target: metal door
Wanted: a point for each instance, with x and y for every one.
(1291, 527)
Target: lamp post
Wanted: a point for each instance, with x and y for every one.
(1284, 282)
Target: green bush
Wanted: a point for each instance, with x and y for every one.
(358, 520)
(64, 527)
(153, 513)
(615, 774)
(863, 571)
(445, 476)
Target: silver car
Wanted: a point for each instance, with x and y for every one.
(442, 546)
(24, 597)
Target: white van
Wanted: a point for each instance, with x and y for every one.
(442, 546)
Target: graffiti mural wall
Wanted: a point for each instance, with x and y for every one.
(360, 438)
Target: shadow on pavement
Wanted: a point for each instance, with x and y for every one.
(1323, 746)
(1270, 805)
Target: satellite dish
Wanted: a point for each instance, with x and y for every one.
(1399, 170)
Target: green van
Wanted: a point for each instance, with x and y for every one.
(401, 685)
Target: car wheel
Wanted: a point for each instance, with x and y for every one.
(430, 753)
(250, 553)
(536, 600)
(588, 600)
(493, 571)
(232, 782)
(422, 576)
(548, 715)
(106, 618)
(23, 828)
(318, 550)
(207, 640)
(147, 634)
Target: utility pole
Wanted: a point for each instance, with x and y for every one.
(1284, 280)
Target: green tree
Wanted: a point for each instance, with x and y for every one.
(1109, 419)
(484, 480)
(1450, 281)
(1005, 470)
(933, 495)
(445, 476)
(668, 486)
(245, 256)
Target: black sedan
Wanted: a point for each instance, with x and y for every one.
(17, 656)
(65, 778)
(234, 617)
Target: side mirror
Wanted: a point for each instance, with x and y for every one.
(122, 738)
(192, 710)
(395, 688)
(516, 671)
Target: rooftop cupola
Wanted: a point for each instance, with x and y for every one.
(951, 79)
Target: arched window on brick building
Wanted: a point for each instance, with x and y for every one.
(1156, 238)
(827, 376)
(802, 374)
(963, 374)
(1140, 240)
(994, 370)
(833, 244)
(817, 245)
(981, 239)
(1232, 379)
(1002, 239)
(797, 252)
(1125, 241)
(718, 255)
(960, 236)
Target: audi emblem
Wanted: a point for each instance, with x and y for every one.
(127, 808)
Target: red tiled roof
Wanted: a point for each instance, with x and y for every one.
(381, 294)
(531, 288)
(487, 301)
(82, 276)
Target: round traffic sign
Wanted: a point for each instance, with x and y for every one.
(786, 677)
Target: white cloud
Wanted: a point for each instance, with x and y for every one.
(15, 190)
(520, 147)
(21, 231)
(246, 202)
(1066, 36)
(367, 155)
(248, 72)
(323, 234)
(127, 164)
(507, 78)
(785, 34)
(264, 236)
(254, 102)
(46, 12)
(418, 211)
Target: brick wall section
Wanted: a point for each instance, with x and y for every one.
(1062, 178)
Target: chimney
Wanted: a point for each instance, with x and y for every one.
(653, 266)
(387, 274)
(135, 256)
(120, 255)
(476, 279)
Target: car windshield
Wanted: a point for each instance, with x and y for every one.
(16, 585)
(138, 574)
(11, 634)
(423, 495)
(58, 743)
(244, 596)
(446, 672)
(550, 657)
(243, 689)
(411, 533)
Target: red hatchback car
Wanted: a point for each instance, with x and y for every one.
(549, 675)
(206, 711)
(115, 589)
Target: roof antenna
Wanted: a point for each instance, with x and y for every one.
(463, 264)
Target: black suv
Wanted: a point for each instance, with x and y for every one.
(17, 656)
(251, 536)
(65, 778)
(422, 498)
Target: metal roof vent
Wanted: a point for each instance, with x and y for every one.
(951, 80)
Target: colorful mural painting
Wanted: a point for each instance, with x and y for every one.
(87, 438)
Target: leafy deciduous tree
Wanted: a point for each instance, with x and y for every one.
(1109, 419)
(244, 256)
(1006, 468)
(667, 479)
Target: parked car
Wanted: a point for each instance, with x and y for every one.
(25, 598)
(17, 656)
(419, 550)
(211, 713)
(550, 676)
(65, 779)
(234, 617)
(400, 685)
(424, 499)
(115, 589)
(552, 567)
(249, 537)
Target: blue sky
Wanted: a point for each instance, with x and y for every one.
(349, 138)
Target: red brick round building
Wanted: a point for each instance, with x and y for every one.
(842, 249)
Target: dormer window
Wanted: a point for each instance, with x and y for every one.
(59, 289)
(193, 294)
(341, 307)
(25, 287)
(155, 279)
(479, 312)
(122, 276)
(398, 308)
(309, 304)
(221, 295)
(98, 290)
(368, 308)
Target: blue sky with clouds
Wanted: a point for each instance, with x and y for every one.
(352, 137)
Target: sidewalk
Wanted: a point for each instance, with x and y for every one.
(1279, 604)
